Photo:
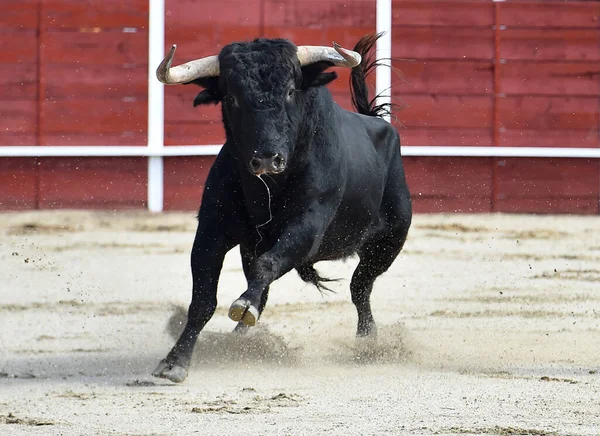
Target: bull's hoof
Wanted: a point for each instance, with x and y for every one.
(242, 310)
(172, 372)
(367, 330)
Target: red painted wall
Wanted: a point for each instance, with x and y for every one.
(514, 73)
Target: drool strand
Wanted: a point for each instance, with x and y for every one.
(270, 214)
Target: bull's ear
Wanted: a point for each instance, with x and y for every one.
(211, 94)
(313, 75)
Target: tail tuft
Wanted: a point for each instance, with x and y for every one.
(358, 86)
(310, 275)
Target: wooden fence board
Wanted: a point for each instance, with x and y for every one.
(549, 138)
(102, 48)
(184, 181)
(446, 111)
(229, 34)
(77, 138)
(449, 177)
(444, 77)
(538, 177)
(554, 113)
(550, 45)
(193, 43)
(298, 35)
(18, 47)
(449, 184)
(318, 13)
(198, 13)
(442, 43)
(442, 13)
(18, 82)
(460, 137)
(194, 133)
(19, 116)
(90, 14)
(94, 116)
(179, 106)
(13, 139)
(550, 14)
(95, 81)
(550, 78)
(19, 15)
(452, 205)
(548, 205)
(94, 183)
(346, 36)
(17, 183)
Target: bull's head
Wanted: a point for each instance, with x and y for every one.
(265, 89)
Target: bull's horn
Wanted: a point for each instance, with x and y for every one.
(205, 67)
(338, 56)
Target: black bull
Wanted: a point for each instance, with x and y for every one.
(298, 180)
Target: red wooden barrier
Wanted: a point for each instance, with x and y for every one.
(74, 72)
(92, 14)
(547, 185)
(551, 14)
(450, 184)
(184, 181)
(92, 183)
(550, 78)
(18, 182)
(442, 13)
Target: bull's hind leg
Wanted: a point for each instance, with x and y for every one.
(375, 259)
(376, 256)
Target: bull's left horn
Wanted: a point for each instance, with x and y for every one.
(184, 73)
(338, 56)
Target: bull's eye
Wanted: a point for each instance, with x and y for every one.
(290, 93)
(231, 100)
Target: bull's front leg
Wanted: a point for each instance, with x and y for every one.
(298, 242)
(206, 261)
(219, 225)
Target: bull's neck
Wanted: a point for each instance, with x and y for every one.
(317, 123)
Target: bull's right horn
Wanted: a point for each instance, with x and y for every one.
(184, 73)
(338, 56)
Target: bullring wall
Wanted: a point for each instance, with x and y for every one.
(476, 73)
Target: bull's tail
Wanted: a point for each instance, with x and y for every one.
(310, 275)
(358, 84)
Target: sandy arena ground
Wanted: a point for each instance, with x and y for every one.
(488, 325)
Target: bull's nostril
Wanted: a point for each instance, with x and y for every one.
(255, 163)
(278, 161)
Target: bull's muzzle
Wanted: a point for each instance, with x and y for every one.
(267, 164)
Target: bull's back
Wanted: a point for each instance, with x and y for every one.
(365, 155)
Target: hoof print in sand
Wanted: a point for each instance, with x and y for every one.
(247, 403)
